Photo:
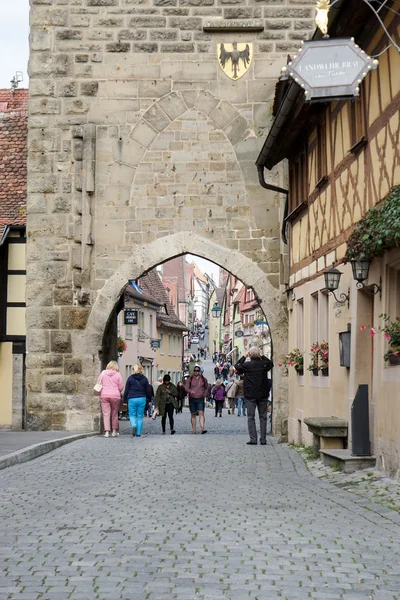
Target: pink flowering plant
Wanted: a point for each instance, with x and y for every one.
(293, 359)
(323, 355)
(121, 345)
(314, 353)
(391, 331)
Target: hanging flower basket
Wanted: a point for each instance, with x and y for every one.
(121, 345)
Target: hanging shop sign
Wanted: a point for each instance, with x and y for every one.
(329, 69)
(155, 344)
(261, 323)
(239, 333)
(130, 316)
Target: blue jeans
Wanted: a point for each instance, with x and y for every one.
(241, 404)
(136, 410)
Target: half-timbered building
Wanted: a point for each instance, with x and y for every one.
(13, 156)
(343, 160)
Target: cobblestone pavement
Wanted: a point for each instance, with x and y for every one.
(370, 484)
(189, 517)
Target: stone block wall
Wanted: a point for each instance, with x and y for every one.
(139, 144)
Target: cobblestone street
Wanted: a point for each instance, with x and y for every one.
(189, 517)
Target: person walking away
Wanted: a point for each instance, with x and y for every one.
(218, 392)
(181, 396)
(166, 402)
(137, 392)
(110, 396)
(224, 372)
(197, 387)
(216, 371)
(231, 396)
(256, 388)
(241, 403)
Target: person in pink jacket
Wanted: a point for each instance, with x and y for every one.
(110, 396)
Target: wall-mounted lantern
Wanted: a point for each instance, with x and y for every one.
(345, 346)
(332, 280)
(360, 268)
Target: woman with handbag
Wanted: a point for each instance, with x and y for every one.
(166, 401)
(109, 386)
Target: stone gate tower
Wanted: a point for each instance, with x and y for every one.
(141, 148)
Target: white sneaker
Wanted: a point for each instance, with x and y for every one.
(106, 434)
(114, 434)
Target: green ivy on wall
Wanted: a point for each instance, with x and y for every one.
(378, 231)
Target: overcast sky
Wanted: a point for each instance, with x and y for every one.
(205, 266)
(14, 46)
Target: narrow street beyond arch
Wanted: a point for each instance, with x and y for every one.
(189, 517)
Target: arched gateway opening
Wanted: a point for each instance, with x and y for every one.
(79, 411)
(82, 409)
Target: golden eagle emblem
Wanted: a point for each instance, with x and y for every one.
(321, 18)
(235, 59)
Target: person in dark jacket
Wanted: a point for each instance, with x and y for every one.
(137, 393)
(166, 402)
(256, 388)
(181, 396)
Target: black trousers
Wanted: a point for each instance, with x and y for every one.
(169, 410)
(218, 407)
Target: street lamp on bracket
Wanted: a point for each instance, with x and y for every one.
(332, 280)
(216, 311)
(360, 268)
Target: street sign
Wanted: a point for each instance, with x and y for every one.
(130, 316)
(261, 323)
(239, 333)
(329, 69)
(155, 344)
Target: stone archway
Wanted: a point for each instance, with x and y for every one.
(87, 343)
(84, 249)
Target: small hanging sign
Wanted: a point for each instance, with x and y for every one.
(329, 69)
(155, 344)
(130, 316)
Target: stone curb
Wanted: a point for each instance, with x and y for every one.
(31, 452)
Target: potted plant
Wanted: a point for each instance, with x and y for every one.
(314, 353)
(121, 346)
(293, 359)
(391, 331)
(323, 355)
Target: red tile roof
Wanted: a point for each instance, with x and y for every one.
(13, 157)
(152, 286)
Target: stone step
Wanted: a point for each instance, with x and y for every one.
(346, 461)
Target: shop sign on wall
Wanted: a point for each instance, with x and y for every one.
(130, 316)
(329, 69)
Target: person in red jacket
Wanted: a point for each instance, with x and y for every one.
(110, 396)
(197, 388)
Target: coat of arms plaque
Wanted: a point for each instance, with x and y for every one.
(235, 58)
